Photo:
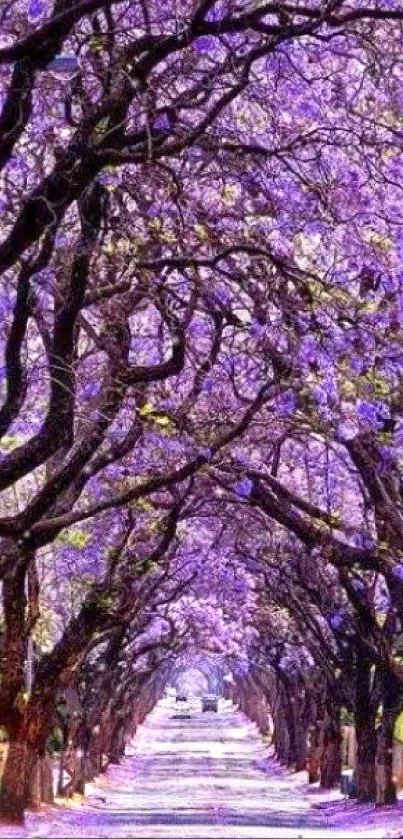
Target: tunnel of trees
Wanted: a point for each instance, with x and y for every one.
(201, 389)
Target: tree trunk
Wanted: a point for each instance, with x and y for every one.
(71, 762)
(285, 722)
(330, 761)
(385, 784)
(117, 745)
(39, 780)
(95, 747)
(77, 785)
(61, 772)
(92, 765)
(314, 750)
(300, 736)
(281, 733)
(28, 757)
(12, 696)
(13, 796)
(34, 791)
(364, 776)
(289, 712)
(105, 743)
(80, 759)
(46, 779)
(315, 735)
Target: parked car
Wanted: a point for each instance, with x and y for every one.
(210, 703)
(181, 697)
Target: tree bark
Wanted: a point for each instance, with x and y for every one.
(330, 761)
(364, 776)
(315, 734)
(13, 796)
(34, 790)
(46, 779)
(39, 780)
(385, 784)
(314, 751)
(300, 734)
(281, 731)
(117, 743)
(62, 757)
(77, 784)
(12, 696)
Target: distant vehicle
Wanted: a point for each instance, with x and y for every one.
(183, 708)
(210, 703)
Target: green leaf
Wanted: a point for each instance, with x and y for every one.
(146, 410)
(75, 538)
(95, 43)
(10, 442)
(142, 504)
(201, 232)
(163, 421)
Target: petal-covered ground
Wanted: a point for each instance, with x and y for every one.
(190, 775)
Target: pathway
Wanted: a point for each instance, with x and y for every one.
(206, 776)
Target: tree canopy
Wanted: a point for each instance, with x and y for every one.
(201, 368)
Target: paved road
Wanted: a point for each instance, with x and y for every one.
(205, 776)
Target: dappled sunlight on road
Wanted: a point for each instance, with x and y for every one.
(200, 776)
